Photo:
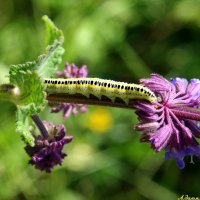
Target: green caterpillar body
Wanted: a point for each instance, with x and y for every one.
(99, 87)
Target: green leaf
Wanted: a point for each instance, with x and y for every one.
(46, 64)
(49, 62)
(31, 90)
(28, 78)
(32, 100)
(28, 66)
(23, 126)
(52, 32)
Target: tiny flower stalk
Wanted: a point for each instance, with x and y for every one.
(9, 92)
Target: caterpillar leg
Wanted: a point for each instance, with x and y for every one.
(86, 95)
(112, 99)
(98, 96)
(126, 101)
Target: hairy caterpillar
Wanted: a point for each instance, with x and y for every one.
(99, 87)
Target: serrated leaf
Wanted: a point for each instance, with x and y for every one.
(52, 32)
(28, 78)
(32, 100)
(46, 64)
(49, 62)
(28, 66)
(23, 126)
(32, 95)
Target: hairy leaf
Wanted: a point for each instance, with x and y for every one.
(52, 32)
(28, 77)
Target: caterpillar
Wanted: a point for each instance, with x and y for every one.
(98, 87)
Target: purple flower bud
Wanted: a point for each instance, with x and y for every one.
(47, 151)
(172, 122)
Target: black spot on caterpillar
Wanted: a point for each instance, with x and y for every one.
(99, 87)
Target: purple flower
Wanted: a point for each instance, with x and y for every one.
(172, 122)
(70, 108)
(47, 151)
(71, 71)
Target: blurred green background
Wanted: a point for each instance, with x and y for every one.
(122, 40)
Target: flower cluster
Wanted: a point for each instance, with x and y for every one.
(71, 71)
(171, 123)
(47, 151)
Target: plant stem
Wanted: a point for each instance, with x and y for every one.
(187, 113)
(92, 100)
(40, 126)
